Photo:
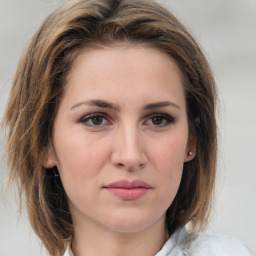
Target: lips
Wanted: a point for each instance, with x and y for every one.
(127, 190)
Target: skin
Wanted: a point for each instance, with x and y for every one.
(127, 138)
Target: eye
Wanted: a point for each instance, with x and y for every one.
(95, 119)
(159, 120)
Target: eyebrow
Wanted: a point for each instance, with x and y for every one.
(105, 104)
(160, 105)
(97, 103)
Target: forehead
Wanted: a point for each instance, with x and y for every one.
(131, 55)
(132, 70)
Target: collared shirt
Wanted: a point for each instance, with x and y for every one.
(200, 245)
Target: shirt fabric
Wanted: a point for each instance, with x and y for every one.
(200, 245)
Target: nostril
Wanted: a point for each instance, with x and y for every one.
(129, 155)
(120, 165)
(130, 167)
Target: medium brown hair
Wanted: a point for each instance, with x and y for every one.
(38, 86)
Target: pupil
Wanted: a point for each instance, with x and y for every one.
(97, 120)
(157, 120)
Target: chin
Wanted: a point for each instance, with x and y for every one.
(130, 223)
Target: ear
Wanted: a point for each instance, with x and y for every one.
(49, 159)
(190, 149)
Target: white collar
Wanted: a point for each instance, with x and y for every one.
(68, 251)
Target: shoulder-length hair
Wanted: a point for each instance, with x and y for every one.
(37, 90)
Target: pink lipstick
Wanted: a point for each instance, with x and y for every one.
(127, 190)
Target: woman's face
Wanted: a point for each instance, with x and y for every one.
(121, 137)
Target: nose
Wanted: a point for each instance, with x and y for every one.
(128, 149)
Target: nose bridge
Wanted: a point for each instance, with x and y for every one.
(128, 150)
(131, 142)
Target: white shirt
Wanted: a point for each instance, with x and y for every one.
(201, 245)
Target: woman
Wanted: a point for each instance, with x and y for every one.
(112, 133)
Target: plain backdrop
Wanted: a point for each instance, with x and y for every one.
(226, 29)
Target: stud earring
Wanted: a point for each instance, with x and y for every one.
(190, 153)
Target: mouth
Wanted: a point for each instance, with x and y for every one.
(128, 190)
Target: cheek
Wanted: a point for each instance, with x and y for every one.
(80, 162)
(170, 152)
(79, 156)
(168, 162)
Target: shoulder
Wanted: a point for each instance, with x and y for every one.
(182, 243)
(216, 245)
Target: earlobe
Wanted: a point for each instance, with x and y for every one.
(189, 155)
(49, 160)
(190, 150)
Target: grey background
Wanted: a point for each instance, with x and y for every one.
(226, 29)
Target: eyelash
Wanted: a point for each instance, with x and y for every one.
(168, 119)
(163, 117)
(89, 117)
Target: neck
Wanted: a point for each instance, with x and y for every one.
(98, 240)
